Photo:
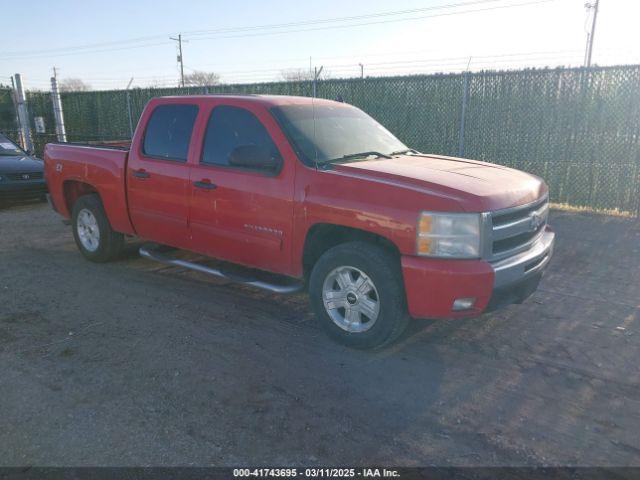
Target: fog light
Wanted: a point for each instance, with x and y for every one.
(463, 304)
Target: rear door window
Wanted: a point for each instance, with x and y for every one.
(169, 132)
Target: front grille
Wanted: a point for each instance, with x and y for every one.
(24, 177)
(514, 230)
(501, 246)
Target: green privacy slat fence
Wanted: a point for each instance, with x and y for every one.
(579, 129)
(7, 113)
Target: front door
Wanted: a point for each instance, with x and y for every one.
(158, 176)
(240, 212)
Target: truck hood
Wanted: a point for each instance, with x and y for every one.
(477, 186)
(20, 164)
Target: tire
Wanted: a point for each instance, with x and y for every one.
(369, 312)
(92, 231)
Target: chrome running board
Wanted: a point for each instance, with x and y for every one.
(148, 252)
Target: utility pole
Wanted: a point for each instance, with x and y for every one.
(591, 34)
(361, 70)
(180, 59)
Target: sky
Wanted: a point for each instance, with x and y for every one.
(107, 43)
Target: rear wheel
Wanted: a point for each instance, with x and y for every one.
(92, 231)
(357, 295)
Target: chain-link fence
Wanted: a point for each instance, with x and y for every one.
(8, 123)
(579, 129)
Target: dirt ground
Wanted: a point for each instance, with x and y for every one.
(134, 363)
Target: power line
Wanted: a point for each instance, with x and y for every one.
(332, 27)
(339, 19)
(47, 55)
(231, 29)
(395, 66)
(432, 60)
(84, 49)
(85, 46)
(356, 57)
(351, 70)
(438, 60)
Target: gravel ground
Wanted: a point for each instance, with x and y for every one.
(134, 363)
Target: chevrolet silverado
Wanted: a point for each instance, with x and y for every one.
(314, 194)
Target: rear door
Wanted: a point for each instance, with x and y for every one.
(158, 174)
(242, 214)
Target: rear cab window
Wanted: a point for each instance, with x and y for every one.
(168, 132)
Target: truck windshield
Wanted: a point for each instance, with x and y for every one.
(7, 147)
(340, 133)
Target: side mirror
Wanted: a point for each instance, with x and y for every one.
(255, 157)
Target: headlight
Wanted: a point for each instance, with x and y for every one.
(449, 235)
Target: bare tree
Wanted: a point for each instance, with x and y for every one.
(296, 75)
(201, 79)
(73, 85)
(302, 75)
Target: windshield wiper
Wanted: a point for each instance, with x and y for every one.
(402, 152)
(358, 155)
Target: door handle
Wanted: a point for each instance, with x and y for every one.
(205, 184)
(141, 174)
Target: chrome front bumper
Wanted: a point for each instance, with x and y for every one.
(523, 266)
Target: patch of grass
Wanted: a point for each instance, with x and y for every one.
(599, 211)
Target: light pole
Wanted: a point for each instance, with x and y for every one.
(591, 35)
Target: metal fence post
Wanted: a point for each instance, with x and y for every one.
(14, 103)
(316, 75)
(463, 114)
(61, 133)
(130, 116)
(23, 115)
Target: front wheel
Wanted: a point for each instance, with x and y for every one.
(92, 231)
(358, 296)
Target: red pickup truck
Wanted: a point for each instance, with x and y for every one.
(315, 194)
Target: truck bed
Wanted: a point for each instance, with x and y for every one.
(114, 144)
(74, 169)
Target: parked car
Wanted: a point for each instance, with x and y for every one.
(318, 193)
(21, 174)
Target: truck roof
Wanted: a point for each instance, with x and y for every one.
(266, 100)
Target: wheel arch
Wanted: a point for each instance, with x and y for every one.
(72, 190)
(114, 207)
(322, 236)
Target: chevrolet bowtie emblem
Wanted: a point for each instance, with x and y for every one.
(535, 220)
